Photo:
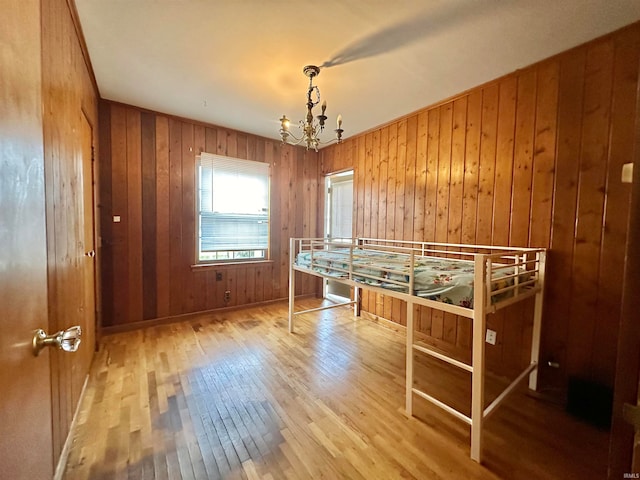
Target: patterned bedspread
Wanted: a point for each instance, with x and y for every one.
(442, 279)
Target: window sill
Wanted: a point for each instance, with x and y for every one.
(218, 265)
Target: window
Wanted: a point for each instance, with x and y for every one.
(233, 209)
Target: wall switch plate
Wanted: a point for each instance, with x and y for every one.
(218, 276)
(116, 219)
(490, 337)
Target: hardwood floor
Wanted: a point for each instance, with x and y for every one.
(234, 396)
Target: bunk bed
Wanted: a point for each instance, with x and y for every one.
(467, 280)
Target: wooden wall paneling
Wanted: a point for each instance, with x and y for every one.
(420, 194)
(306, 208)
(486, 191)
(396, 173)
(504, 161)
(470, 194)
(514, 325)
(211, 285)
(591, 199)
(199, 277)
(410, 154)
(366, 154)
(242, 147)
(134, 215)
(175, 216)
(456, 194)
(399, 307)
(292, 190)
(565, 194)
(163, 247)
(487, 167)
(383, 183)
(314, 211)
(119, 194)
(375, 183)
(283, 191)
(456, 175)
(188, 158)
(274, 215)
(401, 179)
(471, 168)
(502, 194)
(544, 154)
(221, 142)
(392, 152)
(232, 143)
(523, 158)
(442, 199)
(149, 217)
(296, 187)
(625, 84)
(240, 295)
(431, 198)
(104, 244)
(214, 287)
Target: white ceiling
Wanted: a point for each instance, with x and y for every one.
(238, 63)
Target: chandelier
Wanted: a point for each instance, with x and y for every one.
(310, 129)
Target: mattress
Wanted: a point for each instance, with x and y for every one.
(441, 279)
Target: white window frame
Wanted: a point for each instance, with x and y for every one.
(257, 252)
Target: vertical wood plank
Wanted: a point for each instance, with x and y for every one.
(149, 233)
(163, 252)
(486, 171)
(188, 158)
(544, 154)
(504, 161)
(175, 216)
(523, 158)
(119, 195)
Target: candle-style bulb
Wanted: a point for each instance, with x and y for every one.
(324, 106)
(339, 121)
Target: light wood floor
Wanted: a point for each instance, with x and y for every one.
(233, 395)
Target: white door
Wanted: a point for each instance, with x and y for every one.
(338, 222)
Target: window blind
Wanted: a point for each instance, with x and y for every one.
(233, 204)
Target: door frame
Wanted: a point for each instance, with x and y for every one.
(328, 210)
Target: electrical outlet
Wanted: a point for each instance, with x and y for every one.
(218, 276)
(227, 295)
(491, 337)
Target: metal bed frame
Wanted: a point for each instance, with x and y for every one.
(487, 261)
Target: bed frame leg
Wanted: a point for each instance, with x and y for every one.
(537, 323)
(477, 376)
(292, 283)
(409, 367)
(477, 388)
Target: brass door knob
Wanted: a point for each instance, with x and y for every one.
(67, 340)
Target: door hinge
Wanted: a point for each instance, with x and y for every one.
(631, 414)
